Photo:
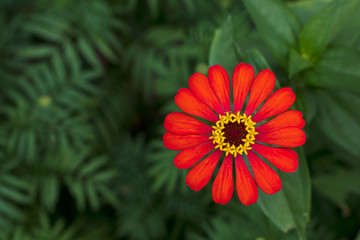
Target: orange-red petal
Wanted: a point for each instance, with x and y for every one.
(190, 156)
(277, 103)
(200, 174)
(266, 178)
(180, 142)
(245, 184)
(223, 186)
(261, 88)
(187, 102)
(284, 159)
(291, 118)
(181, 123)
(200, 86)
(220, 83)
(285, 137)
(242, 80)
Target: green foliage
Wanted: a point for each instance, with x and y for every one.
(226, 226)
(335, 110)
(43, 228)
(165, 178)
(328, 67)
(156, 53)
(222, 45)
(336, 186)
(15, 193)
(294, 200)
(323, 27)
(85, 86)
(337, 69)
(279, 29)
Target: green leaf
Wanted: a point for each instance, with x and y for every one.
(357, 236)
(164, 173)
(258, 61)
(44, 31)
(348, 36)
(102, 46)
(154, 7)
(77, 190)
(338, 121)
(306, 9)
(36, 51)
(92, 196)
(93, 165)
(322, 28)
(59, 68)
(338, 68)
(53, 22)
(50, 192)
(15, 196)
(277, 24)
(350, 101)
(306, 103)
(72, 59)
(338, 185)
(222, 49)
(88, 52)
(290, 208)
(297, 63)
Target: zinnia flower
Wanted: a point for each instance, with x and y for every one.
(235, 132)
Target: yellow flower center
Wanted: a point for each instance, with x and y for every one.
(234, 133)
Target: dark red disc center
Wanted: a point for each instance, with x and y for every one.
(234, 133)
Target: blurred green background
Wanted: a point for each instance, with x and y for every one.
(84, 89)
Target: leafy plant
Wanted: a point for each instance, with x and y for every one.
(85, 86)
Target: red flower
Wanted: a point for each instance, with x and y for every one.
(235, 132)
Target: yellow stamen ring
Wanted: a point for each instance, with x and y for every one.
(234, 133)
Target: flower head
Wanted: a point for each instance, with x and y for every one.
(238, 132)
